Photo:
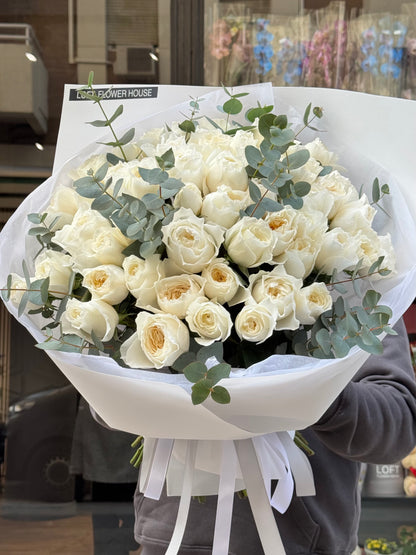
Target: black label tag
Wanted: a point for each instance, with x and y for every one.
(117, 93)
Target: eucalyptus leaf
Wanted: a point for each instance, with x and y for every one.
(195, 371)
(220, 395)
(200, 392)
(232, 106)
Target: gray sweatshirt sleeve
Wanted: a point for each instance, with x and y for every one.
(374, 419)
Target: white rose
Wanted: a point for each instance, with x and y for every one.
(223, 206)
(277, 288)
(106, 283)
(57, 266)
(210, 320)
(105, 247)
(189, 166)
(370, 247)
(189, 196)
(191, 243)
(85, 224)
(354, 216)
(283, 226)
(338, 187)
(63, 206)
(174, 294)
(309, 171)
(250, 242)
(311, 302)
(159, 340)
(223, 284)
(93, 163)
(318, 150)
(18, 286)
(85, 318)
(141, 275)
(224, 168)
(339, 250)
(300, 256)
(255, 323)
(133, 183)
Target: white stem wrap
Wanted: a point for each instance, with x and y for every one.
(250, 463)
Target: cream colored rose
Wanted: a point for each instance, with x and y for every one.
(133, 183)
(370, 247)
(106, 283)
(223, 206)
(223, 284)
(277, 288)
(338, 187)
(320, 152)
(210, 320)
(189, 196)
(354, 216)
(106, 247)
(174, 294)
(224, 168)
(339, 250)
(191, 243)
(189, 166)
(64, 204)
(159, 340)
(18, 287)
(85, 224)
(283, 225)
(300, 256)
(255, 323)
(85, 318)
(56, 266)
(93, 163)
(309, 171)
(311, 302)
(141, 275)
(250, 242)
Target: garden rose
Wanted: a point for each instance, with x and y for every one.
(339, 250)
(311, 302)
(84, 318)
(191, 243)
(141, 275)
(106, 283)
(224, 168)
(283, 226)
(255, 323)
(174, 294)
(64, 204)
(250, 242)
(223, 206)
(159, 340)
(222, 283)
(278, 288)
(56, 266)
(210, 320)
(133, 183)
(354, 216)
(189, 196)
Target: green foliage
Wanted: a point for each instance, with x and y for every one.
(341, 328)
(89, 93)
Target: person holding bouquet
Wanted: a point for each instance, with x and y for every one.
(373, 420)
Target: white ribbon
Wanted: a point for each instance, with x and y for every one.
(259, 500)
(159, 466)
(225, 499)
(259, 460)
(185, 501)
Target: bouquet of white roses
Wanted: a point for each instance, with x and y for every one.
(215, 248)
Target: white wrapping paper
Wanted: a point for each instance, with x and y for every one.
(282, 393)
